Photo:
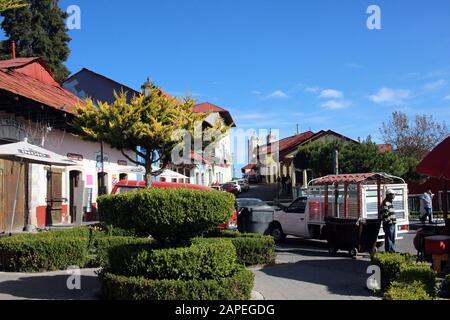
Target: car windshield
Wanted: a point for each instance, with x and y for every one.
(126, 189)
(250, 203)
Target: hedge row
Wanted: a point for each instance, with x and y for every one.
(251, 249)
(407, 291)
(445, 289)
(202, 260)
(235, 287)
(39, 254)
(168, 215)
(58, 250)
(401, 275)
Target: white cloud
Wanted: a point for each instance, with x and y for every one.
(390, 96)
(256, 92)
(435, 85)
(336, 104)
(331, 93)
(447, 98)
(313, 89)
(279, 94)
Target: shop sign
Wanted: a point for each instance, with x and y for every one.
(75, 157)
(122, 163)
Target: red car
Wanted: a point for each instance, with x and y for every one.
(130, 186)
(231, 188)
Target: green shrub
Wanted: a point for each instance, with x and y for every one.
(100, 247)
(49, 250)
(251, 249)
(203, 260)
(235, 287)
(445, 288)
(407, 291)
(39, 254)
(421, 272)
(169, 215)
(391, 264)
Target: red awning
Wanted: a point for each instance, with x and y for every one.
(353, 178)
(437, 163)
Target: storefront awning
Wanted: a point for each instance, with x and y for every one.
(28, 153)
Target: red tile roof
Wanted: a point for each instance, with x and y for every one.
(206, 107)
(249, 167)
(289, 142)
(385, 147)
(22, 84)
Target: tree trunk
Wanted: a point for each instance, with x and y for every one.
(148, 177)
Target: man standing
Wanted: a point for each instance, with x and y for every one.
(387, 214)
(428, 205)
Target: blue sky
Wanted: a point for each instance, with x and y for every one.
(276, 64)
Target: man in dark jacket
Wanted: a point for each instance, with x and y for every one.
(387, 214)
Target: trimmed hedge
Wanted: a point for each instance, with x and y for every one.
(60, 249)
(100, 247)
(407, 291)
(391, 265)
(251, 249)
(168, 215)
(236, 287)
(40, 254)
(203, 260)
(419, 272)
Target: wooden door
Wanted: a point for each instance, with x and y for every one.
(11, 173)
(54, 198)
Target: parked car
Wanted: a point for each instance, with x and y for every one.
(238, 186)
(218, 188)
(251, 178)
(130, 186)
(231, 188)
(254, 204)
(243, 183)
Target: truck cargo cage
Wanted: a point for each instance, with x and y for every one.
(349, 205)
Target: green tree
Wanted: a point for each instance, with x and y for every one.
(39, 30)
(11, 4)
(355, 158)
(147, 125)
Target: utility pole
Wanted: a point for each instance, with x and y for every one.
(298, 131)
(336, 161)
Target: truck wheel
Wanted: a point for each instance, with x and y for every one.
(332, 250)
(353, 252)
(277, 234)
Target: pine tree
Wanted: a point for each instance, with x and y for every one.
(39, 30)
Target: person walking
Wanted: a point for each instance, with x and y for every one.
(289, 184)
(428, 205)
(387, 214)
(283, 183)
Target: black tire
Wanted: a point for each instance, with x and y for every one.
(353, 252)
(277, 233)
(332, 251)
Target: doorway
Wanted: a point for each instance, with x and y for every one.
(54, 198)
(74, 189)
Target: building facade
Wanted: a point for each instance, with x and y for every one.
(34, 106)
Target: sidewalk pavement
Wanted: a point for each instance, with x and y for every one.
(48, 286)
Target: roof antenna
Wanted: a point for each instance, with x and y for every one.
(298, 132)
(13, 49)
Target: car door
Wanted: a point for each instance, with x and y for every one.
(295, 218)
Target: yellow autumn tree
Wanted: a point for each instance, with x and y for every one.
(145, 125)
(11, 4)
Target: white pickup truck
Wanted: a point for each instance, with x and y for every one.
(357, 197)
